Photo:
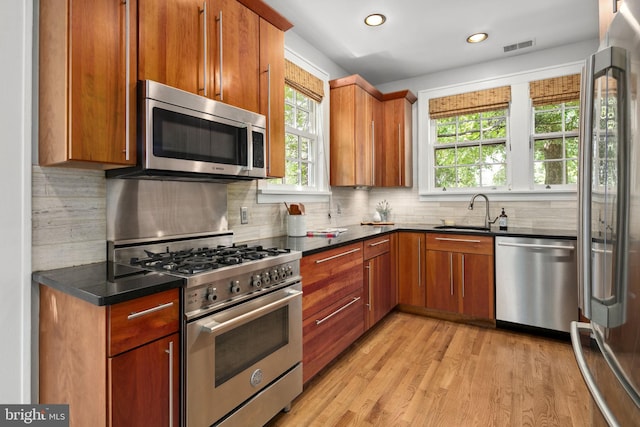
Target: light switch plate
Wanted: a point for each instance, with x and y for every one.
(244, 215)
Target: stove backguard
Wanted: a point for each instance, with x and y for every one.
(144, 209)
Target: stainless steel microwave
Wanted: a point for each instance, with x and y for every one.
(186, 136)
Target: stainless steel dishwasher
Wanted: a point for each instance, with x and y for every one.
(536, 282)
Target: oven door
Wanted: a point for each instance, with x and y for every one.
(235, 353)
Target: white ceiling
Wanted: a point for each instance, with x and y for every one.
(425, 36)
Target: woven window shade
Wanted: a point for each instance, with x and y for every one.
(303, 81)
(470, 102)
(555, 90)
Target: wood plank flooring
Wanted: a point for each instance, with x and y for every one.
(415, 371)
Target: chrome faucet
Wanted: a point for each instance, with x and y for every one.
(487, 220)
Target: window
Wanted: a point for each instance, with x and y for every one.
(515, 136)
(555, 143)
(306, 122)
(556, 119)
(470, 150)
(301, 136)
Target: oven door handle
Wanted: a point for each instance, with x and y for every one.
(221, 327)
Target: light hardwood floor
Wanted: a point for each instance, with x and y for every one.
(416, 371)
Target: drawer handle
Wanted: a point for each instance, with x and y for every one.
(448, 239)
(135, 315)
(337, 311)
(536, 246)
(320, 261)
(378, 243)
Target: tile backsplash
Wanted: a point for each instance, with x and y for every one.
(69, 214)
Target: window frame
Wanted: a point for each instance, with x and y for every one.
(519, 148)
(564, 135)
(270, 192)
(470, 143)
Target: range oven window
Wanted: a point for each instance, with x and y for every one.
(247, 344)
(180, 136)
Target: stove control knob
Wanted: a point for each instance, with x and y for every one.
(275, 275)
(283, 272)
(289, 270)
(267, 278)
(235, 286)
(211, 294)
(257, 280)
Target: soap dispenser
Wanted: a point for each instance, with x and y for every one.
(502, 220)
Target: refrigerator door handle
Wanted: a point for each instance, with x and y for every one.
(584, 189)
(609, 64)
(576, 327)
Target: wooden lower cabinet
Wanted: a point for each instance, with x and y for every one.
(144, 384)
(411, 271)
(460, 275)
(332, 305)
(379, 284)
(113, 365)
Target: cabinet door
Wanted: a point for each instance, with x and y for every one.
(393, 149)
(411, 269)
(171, 42)
(367, 111)
(87, 83)
(145, 384)
(272, 95)
(442, 292)
(234, 31)
(378, 290)
(476, 285)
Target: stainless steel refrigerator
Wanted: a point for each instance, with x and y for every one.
(607, 348)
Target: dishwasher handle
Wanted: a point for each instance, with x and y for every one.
(536, 246)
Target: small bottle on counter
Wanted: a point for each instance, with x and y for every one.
(502, 220)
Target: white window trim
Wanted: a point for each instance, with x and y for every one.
(519, 185)
(277, 193)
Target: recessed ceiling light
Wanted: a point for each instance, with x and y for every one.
(375, 19)
(477, 37)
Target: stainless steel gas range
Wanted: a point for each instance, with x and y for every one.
(242, 328)
(241, 305)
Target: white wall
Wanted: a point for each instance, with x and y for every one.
(15, 188)
(509, 65)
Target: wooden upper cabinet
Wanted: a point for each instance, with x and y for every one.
(272, 94)
(233, 32)
(371, 135)
(394, 150)
(171, 43)
(87, 82)
(355, 109)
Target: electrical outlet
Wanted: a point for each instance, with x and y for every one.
(244, 215)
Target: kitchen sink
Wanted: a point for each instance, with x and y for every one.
(462, 228)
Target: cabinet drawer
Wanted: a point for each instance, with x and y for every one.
(375, 247)
(330, 332)
(133, 323)
(329, 276)
(467, 243)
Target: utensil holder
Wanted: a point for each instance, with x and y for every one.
(296, 225)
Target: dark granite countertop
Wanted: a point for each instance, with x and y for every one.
(105, 283)
(356, 233)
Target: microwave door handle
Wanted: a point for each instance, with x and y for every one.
(249, 147)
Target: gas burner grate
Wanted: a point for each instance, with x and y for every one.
(198, 260)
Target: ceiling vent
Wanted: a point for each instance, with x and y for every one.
(516, 46)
